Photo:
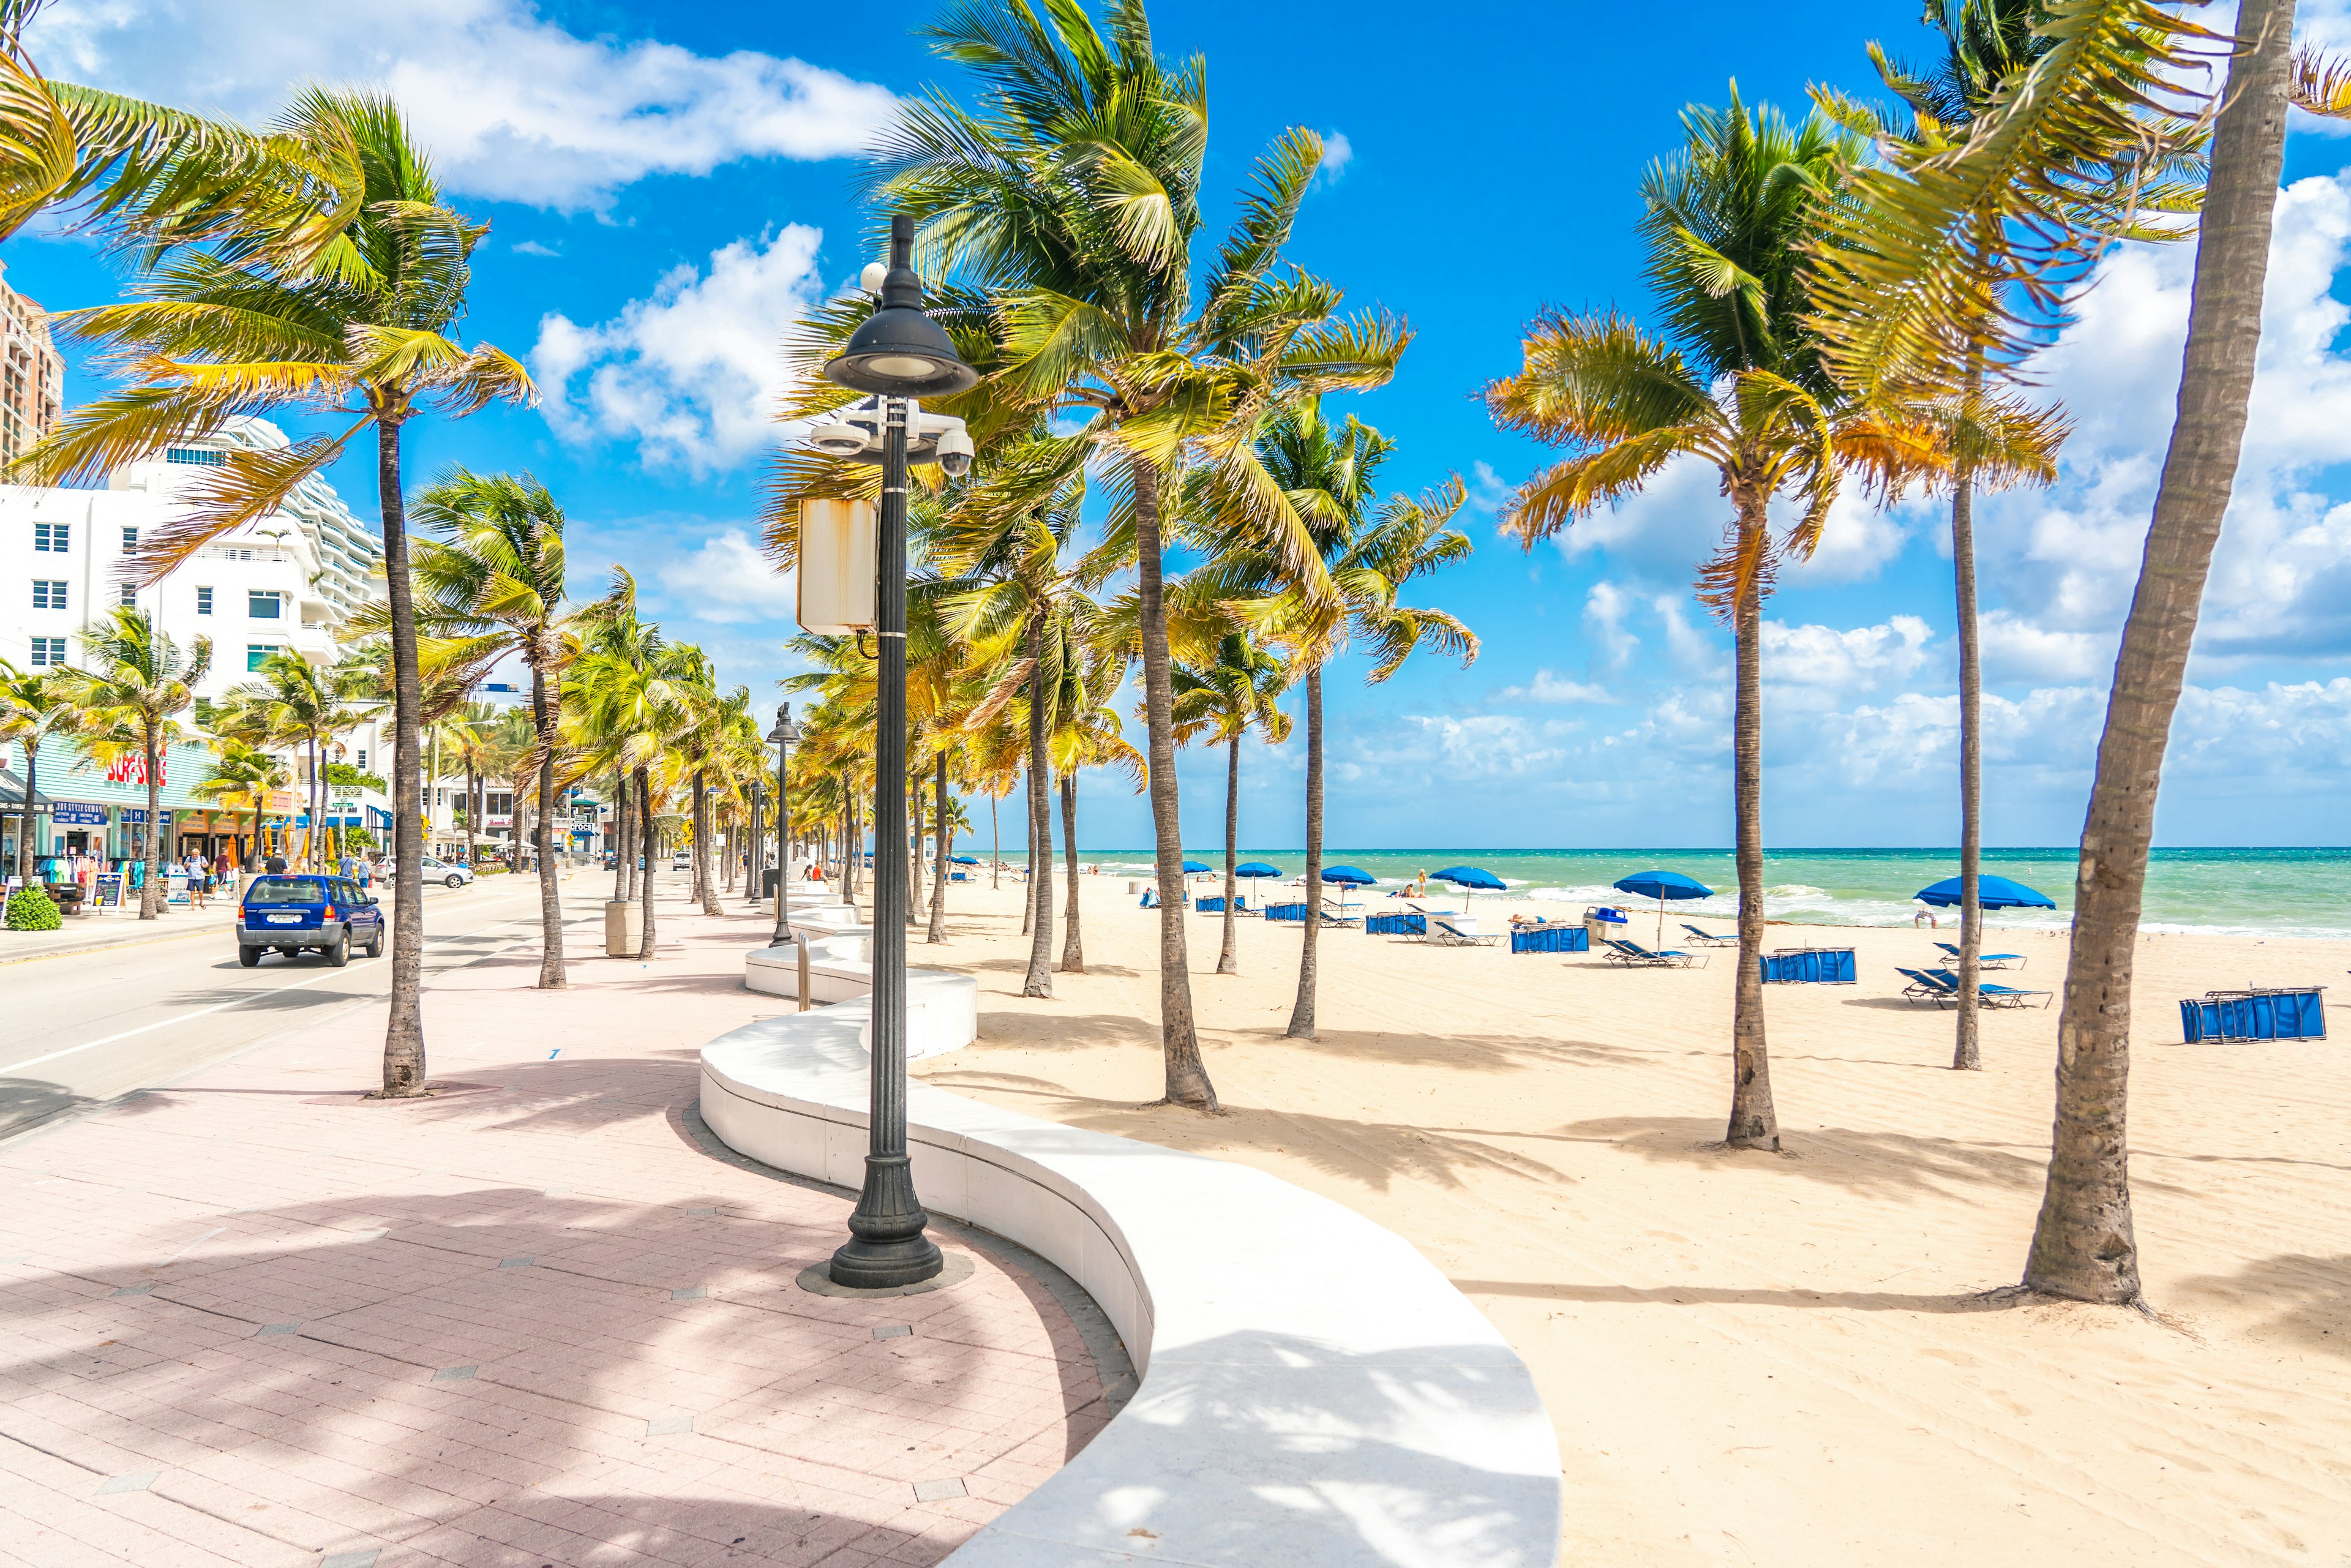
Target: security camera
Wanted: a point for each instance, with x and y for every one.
(956, 451)
(837, 438)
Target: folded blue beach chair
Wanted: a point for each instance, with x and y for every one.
(1710, 938)
(1987, 960)
(1633, 956)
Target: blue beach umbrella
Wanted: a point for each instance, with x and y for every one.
(1662, 885)
(1195, 865)
(1255, 869)
(964, 860)
(1468, 878)
(1347, 876)
(1992, 892)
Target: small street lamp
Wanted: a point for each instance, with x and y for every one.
(898, 354)
(784, 733)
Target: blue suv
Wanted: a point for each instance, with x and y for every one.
(291, 912)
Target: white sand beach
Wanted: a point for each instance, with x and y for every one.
(1756, 1358)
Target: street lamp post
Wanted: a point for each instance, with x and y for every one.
(898, 354)
(783, 734)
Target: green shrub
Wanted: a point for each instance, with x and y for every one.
(32, 910)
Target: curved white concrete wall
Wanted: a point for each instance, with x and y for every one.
(1313, 1391)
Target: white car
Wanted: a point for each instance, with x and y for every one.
(682, 861)
(446, 873)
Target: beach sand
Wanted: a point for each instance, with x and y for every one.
(1759, 1358)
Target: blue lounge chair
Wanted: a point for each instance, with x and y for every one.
(1341, 917)
(1633, 956)
(1710, 938)
(1293, 913)
(1986, 960)
(1992, 996)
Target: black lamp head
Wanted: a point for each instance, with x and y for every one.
(899, 351)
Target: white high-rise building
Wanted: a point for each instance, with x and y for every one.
(289, 581)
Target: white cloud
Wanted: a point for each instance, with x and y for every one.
(1487, 490)
(513, 106)
(532, 247)
(727, 580)
(1604, 609)
(1860, 659)
(691, 371)
(2017, 649)
(1337, 153)
(1547, 687)
(1662, 533)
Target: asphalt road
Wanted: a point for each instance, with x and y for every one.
(81, 1030)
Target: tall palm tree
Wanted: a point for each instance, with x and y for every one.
(131, 692)
(1363, 556)
(361, 325)
(1735, 379)
(1220, 703)
(1073, 195)
(1989, 438)
(495, 576)
(632, 690)
(33, 706)
(2082, 1242)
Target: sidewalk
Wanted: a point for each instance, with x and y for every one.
(543, 1319)
(114, 928)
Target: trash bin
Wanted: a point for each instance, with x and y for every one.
(624, 927)
(769, 880)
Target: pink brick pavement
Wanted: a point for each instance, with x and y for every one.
(253, 1321)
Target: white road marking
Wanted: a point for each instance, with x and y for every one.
(14, 1068)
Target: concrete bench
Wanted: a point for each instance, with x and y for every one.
(1313, 1391)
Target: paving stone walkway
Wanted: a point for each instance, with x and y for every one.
(541, 1320)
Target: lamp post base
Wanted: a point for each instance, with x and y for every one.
(887, 1247)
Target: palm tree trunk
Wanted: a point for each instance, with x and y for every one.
(620, 837)
(995, 833)
(1028, 893)
(24, 856)
(1227, 963)
(1966, 1050)
(939, 852)
(2083, 1246)
(645, 880)
(706, 830)
(472, 815)
(1073, 945)
(551, 896)
(1754, 1123)
(1040, 980)
(151, 896)
(913, 847)
(1188, 1074)
(403, 1035)
(1302, 1015)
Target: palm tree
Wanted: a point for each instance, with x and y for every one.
(2082, 1242)
(242, 770)
(1364, 557)
(1074, 197)
(1220, 703)
(359, 324)
(33, 706)
(497, 575)
(632, 690)
(130, 695)
(1989, 440)
(1737, 380)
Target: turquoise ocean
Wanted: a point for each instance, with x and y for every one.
(2254, 892)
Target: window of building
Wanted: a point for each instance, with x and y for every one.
(263, 606)
(204, 601)
(130, 593)
(257, 654)
(362, 758)
(194, 455)
(130, 538)
(47, 650)
(54, 539)
(49, 593)
(501, 805)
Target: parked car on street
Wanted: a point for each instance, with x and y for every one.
(681, 860)
(448, 874)
(287, 913)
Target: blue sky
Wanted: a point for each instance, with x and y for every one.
(669, 186)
